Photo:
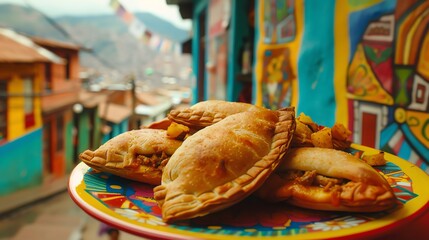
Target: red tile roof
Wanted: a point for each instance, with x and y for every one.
(16, 48)
(12, 51)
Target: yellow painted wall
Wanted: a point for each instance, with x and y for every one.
(38, 87)
(15, 115)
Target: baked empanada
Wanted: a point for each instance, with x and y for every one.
(208, 112)
(222, 164)
(138, 155)
(328, 179)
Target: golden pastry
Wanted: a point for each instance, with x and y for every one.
(222, 164)
(138, 155)
(208, 112)
(328, 179)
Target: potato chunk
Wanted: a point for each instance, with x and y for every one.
(177, 131)
(322, 138)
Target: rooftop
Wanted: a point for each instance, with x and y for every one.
(53, 43)
(18, 48)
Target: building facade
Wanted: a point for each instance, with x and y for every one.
(60, 92)
(22, 72)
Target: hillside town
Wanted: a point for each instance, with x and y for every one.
(48, 94)
(58, 98)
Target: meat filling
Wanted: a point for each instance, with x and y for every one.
(157, 161)
(312, 178)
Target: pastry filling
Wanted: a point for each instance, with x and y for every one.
(311, 178)
(158, 160)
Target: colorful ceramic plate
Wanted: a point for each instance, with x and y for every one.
(129, 206)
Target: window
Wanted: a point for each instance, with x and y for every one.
(3, 110)
(28, 102)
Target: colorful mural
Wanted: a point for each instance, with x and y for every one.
(362, 63)
(279, 21)
(387, 86)
(277, 78)
(277, 37)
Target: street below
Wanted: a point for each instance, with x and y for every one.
(55, 217)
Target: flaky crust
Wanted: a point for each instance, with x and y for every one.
(119, 155)
(223, 163)
(365, 190)
(208, 112)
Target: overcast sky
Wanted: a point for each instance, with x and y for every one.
(55, 8)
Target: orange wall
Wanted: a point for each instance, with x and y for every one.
(63, 91)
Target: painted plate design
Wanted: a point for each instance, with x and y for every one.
(130, 206)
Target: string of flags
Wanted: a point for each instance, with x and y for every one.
(140, 31)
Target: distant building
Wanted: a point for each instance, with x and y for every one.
(38, 87)
(100, 116)
(60, 92)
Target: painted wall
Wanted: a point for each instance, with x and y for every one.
(69, 147)
(241, 32)
(362, 63)
(68, 141)
(92, 138)
(83, 141)
(14, 74)
(200, 7)
(116, 129)
(97, 135)
(86, 137)
(21, 168)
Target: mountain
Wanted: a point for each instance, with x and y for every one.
(31, 21)
(152, 22)
(112, 47)
(28, 21)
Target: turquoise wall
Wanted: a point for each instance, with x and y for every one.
(97, 135)
(68, 151)
(21, 162)
(199, 7)
(238, 31)
(116, 130)
(316, 63)
(84, 131)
